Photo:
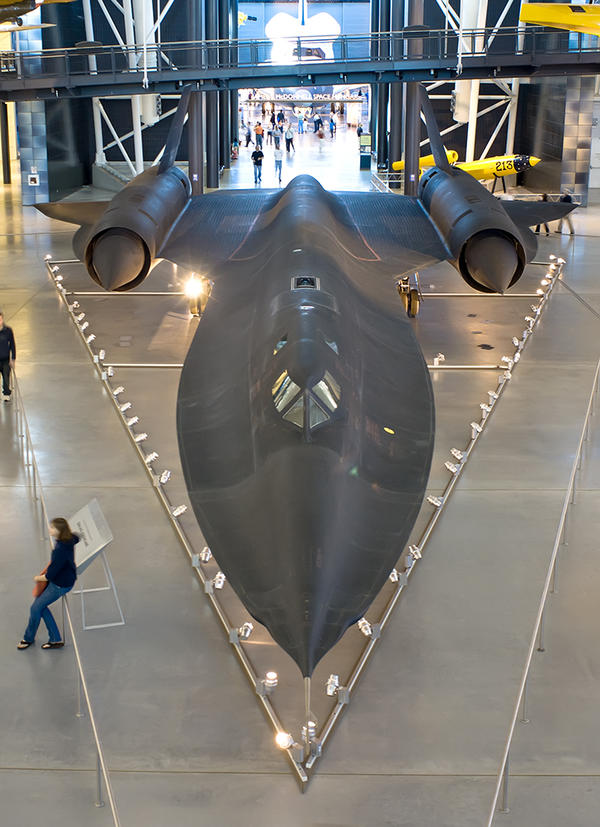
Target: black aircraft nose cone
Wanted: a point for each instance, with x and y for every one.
(118, 258)
(492, 261)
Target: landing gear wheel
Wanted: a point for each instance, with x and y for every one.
(19, 21)
(414, 303)
(405, 299)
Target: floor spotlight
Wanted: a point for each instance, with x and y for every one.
(544, 282)
(58, 278)
(219, 578)
(271, 680)
(245, 630)
(438, 359)
(507, 375)
(140, 437)
(394, 576)
(415, 552)
(540, 292)
(177, 512)
(332, 685)
(80, 317)
(84, 326)
(451, 466)
(459, 454)
(485, 408)
(560, 260)
(133, 420)
(436, 501)
(475, 429)
(515, 341)
(101, 355)
(110, 370)
(552, 257)
(205, 554)
(165, 477)
(118, 390)
(54, 268)
(73, 306)
(90, 339)
(517, 357)
(125, 407)
(365, 627)
(151, 457)
(284, 740)
(48, 257)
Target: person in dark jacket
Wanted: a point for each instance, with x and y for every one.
(8, 354)
(60, 576)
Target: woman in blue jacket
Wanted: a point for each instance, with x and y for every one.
(60, 576)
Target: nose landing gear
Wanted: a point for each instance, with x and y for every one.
(410, 294)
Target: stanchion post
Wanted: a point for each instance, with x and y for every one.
(540, 646)
(524, 718)
(554, 586)
(79, 713)
(505, 808)
(99, 802)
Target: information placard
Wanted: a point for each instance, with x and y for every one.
(94, 534)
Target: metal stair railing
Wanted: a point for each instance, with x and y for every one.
(31, 466)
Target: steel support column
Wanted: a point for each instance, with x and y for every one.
(396, 90)
(195, 131)
(224, 97)
(412, 115)
(4, 139)
(374, 90)
(212, 101)
(234, 119)
(384, 89)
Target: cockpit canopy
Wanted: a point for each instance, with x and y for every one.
(306, 408)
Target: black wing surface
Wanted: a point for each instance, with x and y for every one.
(530, 213)
(393, 231)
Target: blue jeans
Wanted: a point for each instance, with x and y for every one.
(278, 168)
(39, 611)
(257, 173)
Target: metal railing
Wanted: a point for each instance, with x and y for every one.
(537, 637)
(234, 55)
(32, 469)
(455, 468)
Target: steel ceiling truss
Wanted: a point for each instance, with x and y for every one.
(136, 25)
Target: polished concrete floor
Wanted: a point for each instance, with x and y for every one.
(184, 738)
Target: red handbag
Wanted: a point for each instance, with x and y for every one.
(40, 585)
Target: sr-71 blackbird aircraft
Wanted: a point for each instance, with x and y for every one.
(305, 410)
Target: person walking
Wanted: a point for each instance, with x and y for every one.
(289, 139)
(566, 199)
(8, 354)
(331, 127)
(259, 131)
(316, 122)
(249, 136)
(278, 153)
(545, 226)
(60, 576)
(257, 159)
(301, 125)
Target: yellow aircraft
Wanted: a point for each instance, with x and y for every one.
(11, 12)
(584, 19)
(487, 169)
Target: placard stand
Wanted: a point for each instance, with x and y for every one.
(94, 536)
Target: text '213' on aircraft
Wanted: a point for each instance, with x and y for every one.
(305, 412)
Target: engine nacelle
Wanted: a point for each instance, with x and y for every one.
(487, 248)
(123, 245)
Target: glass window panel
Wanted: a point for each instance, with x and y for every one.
(296, 413)
(285, 394)
(278, 381)
(322, 391)
(316, 414)
(334, 386)
(333, 346)
(281, 343)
